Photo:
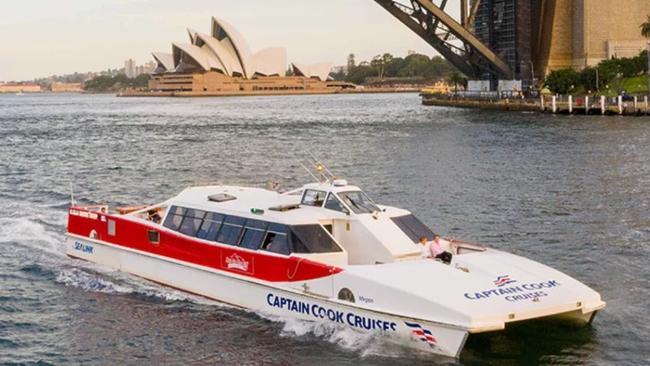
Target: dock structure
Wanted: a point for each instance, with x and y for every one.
(593, 105)
(555, 104)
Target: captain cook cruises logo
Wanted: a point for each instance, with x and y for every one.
(503, 280)
(423, 334)
(234, 261)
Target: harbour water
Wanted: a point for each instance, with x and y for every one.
(569, 191)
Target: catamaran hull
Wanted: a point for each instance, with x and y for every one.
(270, 298)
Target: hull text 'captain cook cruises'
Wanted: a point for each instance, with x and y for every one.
(326, 252)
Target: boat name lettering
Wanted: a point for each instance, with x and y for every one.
(515, 293)
(366, 300)
(85, 248)
(320, 312)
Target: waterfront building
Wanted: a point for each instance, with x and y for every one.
(222, 62)
(130, 68)
(57, 87)
(146, 68)
(20, 88)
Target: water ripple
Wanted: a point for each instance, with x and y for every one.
(567, 191)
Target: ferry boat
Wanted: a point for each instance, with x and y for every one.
(326, 252)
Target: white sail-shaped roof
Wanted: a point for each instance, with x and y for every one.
(223, 31)
(192, 33)
(202, 58)
(321, 70)
(300, 69)
(164, 60)
(225, 55)
(226, 51)
(271, 62)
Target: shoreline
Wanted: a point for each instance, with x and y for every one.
(570, 105)
(189, 94)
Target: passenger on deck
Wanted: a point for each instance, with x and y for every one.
(433, 250)
(154, 216)
(425, 247)
(437, 252)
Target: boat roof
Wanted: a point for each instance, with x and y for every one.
(375, 236)
(265, 202)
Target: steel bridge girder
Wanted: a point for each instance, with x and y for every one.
(425, 19)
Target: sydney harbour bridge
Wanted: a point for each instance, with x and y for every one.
(453, 39)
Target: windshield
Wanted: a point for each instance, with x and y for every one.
(413, 227)
(358, 201)
(312, 239)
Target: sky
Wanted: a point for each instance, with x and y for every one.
(39, 38)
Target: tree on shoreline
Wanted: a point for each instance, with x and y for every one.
(418, 66)
(107, 83)
(612, 72)
(645, 28)
(562, 81)
(380, 62)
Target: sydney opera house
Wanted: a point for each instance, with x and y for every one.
(221, 63)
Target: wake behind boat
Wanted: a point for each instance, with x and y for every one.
(326, 252)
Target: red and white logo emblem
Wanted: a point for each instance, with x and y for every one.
(234, 261)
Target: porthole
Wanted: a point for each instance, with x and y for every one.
(346, 295)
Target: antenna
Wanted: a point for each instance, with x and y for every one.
(325, 174)
(319, 163)
(304, 167)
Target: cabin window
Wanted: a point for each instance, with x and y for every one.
(192, 222)
(276, 239)
(111, 227)
(413, 227)
(210, 227)
(230, 230)
(314, 198)
(312, 239)
(253, 234)
(174, 218)
(333, 203)
(154, 237)
(358, 202)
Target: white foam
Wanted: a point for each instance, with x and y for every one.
(30, 233)
(80, 279)
(107, 280)
(365, 343)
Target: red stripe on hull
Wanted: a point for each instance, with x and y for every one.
(260, 265)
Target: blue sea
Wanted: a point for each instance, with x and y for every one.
(572, 192)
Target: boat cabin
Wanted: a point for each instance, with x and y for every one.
(333, 223)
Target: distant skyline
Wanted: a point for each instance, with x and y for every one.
(40, 38)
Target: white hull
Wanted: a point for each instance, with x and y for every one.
(266, 297)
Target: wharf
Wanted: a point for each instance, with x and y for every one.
(587, 105)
